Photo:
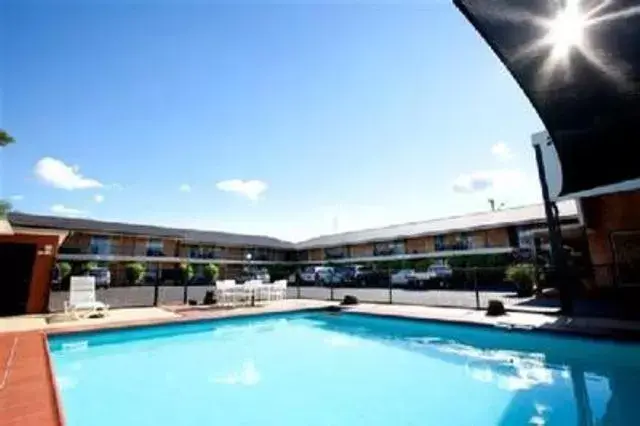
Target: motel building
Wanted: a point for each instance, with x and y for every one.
(50, 239)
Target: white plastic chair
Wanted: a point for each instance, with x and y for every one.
(279, 290)
(225, 292)
(82, 298)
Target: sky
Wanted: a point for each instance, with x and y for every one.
(273, 118)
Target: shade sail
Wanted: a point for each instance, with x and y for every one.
(588, 98)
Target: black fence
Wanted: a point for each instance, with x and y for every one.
(465, 288)
(469, 288)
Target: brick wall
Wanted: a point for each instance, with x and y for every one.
(362, 250)
(497, 237)
(606, 216)
(316, 254)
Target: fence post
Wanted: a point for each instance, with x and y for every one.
(331, 288)
(185, 289)
(475, 287)
(155, 286)
(390, 286)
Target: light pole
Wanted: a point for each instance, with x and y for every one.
(249, 256)
(253, 293)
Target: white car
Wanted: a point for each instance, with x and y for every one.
(320, 275)
(434, 272)
(403, 277)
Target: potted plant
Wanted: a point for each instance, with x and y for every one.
(523, 276)
(186, 274)
(211, 273)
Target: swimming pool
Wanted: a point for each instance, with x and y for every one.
(321, 369)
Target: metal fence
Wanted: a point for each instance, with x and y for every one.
(466, 288)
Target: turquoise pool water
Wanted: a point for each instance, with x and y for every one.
(321, 369)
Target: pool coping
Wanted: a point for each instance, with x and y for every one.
(598, 333)
(616, 335)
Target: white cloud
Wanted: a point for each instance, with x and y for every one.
(489, 181)
(17, 197)
(66, 211)
(98, 198)
(252, 189)
(185, 188)
(60, 175)
(501, 151)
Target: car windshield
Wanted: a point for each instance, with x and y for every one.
(98, 272)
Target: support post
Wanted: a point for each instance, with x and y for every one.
(557, 273)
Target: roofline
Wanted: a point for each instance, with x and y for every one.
(303, 245)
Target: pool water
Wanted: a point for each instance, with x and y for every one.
(334, 370)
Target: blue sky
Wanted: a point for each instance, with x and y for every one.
(287, 120)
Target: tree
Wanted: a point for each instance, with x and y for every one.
(64, 269)
(186, 272)
(5, 138)
(5, 207)
(134, 272)
(211, 272)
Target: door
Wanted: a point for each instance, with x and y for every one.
(16, 266)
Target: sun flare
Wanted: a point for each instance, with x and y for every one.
(566, 30)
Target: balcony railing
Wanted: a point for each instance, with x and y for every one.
(457, 246)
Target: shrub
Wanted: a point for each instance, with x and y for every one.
(134, 272)
(211, 272)
(423, 265)
(87, 266)
(280, 272)
(186, 272)
(64, 269)
(523, 276)
(349, 300)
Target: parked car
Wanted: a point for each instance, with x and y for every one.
(403, 277)
(102, 276)
(261, 274)
(322, 275)
(435, 273)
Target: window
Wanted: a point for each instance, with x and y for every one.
(439, 243)
(155, 248)
(389, 249)
(334, 253)
(100, 245)
(464, 241)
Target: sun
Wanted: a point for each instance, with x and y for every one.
(566, 30)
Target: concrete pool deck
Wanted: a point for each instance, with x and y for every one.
(28, 395)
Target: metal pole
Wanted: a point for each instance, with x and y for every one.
(390, 285)
(558, 269)
(155, 286)
(331, 287)
(475, 287)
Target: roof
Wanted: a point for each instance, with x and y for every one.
(476, 221)
(193, 235)
(588, 99)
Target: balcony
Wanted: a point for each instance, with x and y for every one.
(456, 246)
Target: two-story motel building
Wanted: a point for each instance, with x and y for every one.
(162, 249)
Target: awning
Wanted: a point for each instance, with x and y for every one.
(583, 80)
